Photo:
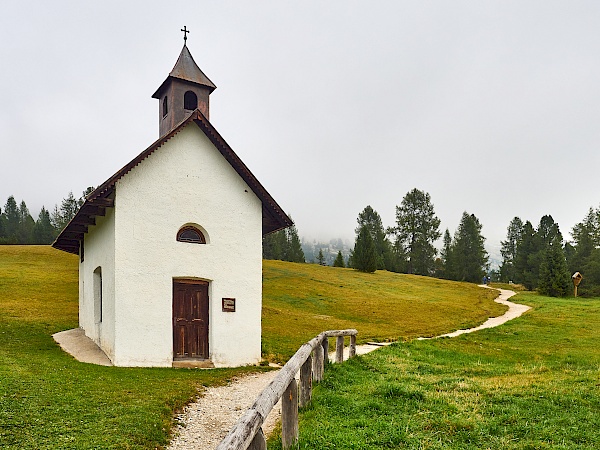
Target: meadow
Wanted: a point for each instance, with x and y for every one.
(532, 383)
(49, 400)
(301, 300)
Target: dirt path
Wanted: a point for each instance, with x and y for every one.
(204, 423)
(514, 310)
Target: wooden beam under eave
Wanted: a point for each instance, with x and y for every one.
(69, 249)
(72, 235)
(104, 202)
(78, 228)
(68, 242)
(94, 210)
(84, 220)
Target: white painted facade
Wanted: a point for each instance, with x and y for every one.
(185, 181)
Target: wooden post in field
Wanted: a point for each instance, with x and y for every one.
(306, 382)
(339, 349)
(352, 350)
(325, 345)
(289, 415)
(259, 442)
(576, 277)
(318, 363)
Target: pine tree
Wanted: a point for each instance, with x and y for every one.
(339, 260)
(469, 256)
(12, 221)
(26, 224)
(372, 220)
(590, 269)
(570, 251)
(294, 251)
(554, 278)
(349, 262)
(43, 231)
(63, 215)
(417, 228)
(364, 257)
(585, 242)
(525, 259)
(399, 258)
(446, 257)
(274, 245)
(531, 250)
(509, 249)
(321, 258)
(548, 231)
(2, 228)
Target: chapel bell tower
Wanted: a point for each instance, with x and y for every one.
(185, 89)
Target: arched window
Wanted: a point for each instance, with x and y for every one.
(98, 295)
(191, 234)
(165, 107)
(190, 101)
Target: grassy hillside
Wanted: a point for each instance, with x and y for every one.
(531, 383)
(301, 300)
(49, 400)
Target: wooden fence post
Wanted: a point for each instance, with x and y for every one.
(289, 415)
(339, 349)
(259, 442)
(318, 363)
(306, 382)
(247, 432)
(352, 351)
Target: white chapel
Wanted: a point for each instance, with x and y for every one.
(170, 246)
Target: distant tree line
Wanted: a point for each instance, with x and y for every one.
(536, 257)
(408, 247)
(17, 226)
(285, 245)
(539, 258)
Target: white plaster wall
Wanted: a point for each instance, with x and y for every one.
(99, 251)
(186, 181)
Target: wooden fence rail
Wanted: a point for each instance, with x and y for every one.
(310, 360)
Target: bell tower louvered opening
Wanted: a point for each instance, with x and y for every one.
(185, 89)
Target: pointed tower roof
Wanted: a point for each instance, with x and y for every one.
(186, 69)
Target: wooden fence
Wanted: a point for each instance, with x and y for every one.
(310, 360)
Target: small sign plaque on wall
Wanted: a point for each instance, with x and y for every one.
(228, 304)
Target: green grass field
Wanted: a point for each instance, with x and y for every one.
(532, 383)
(48, 400)
(301, 300)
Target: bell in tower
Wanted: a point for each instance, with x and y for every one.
(185, 90)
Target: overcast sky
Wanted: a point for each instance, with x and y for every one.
(492, 107)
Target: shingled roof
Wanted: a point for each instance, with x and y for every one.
(186, 69)
(274, 218)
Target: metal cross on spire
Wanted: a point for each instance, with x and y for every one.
(185, 32)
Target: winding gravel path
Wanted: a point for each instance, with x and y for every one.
(204, 423)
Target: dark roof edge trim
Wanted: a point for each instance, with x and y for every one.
(270, 206)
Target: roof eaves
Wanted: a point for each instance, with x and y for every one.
(99, 199)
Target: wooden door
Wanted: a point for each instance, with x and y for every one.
(190, 319)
